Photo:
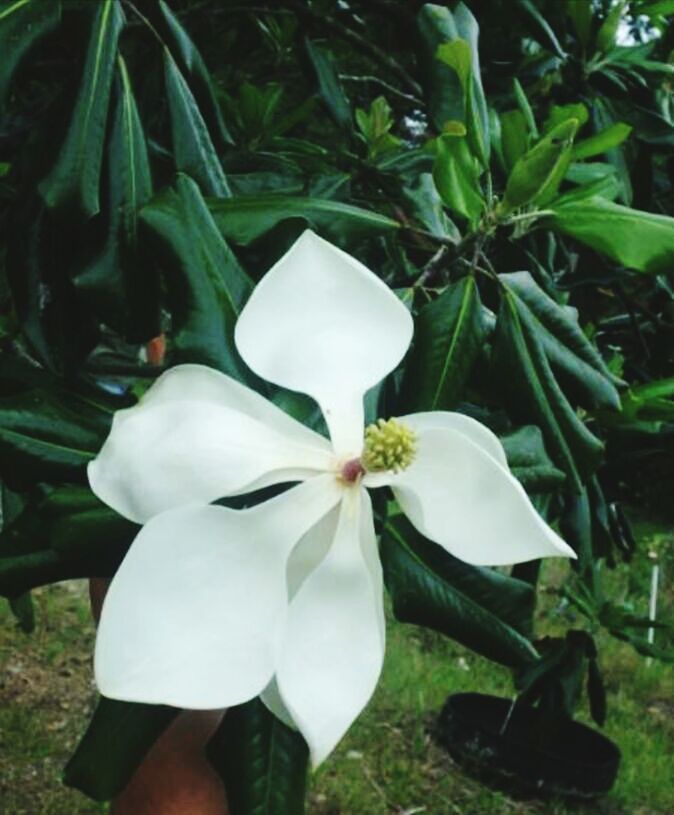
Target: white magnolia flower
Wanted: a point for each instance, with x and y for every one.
(213, 606)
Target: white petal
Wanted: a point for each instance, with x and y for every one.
(333, 650)
(198, 435)
(195, 614)
(321, 323)
(476, 431)
(460, 497)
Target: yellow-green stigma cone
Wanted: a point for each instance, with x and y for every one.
(389, 445)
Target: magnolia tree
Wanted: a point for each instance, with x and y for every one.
(379, 299)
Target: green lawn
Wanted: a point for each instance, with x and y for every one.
(388, 764)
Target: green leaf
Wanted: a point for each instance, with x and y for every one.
(66, 534)
(566, 346)
(539, 172)
(601, 142)
(118, 282)
(456, 54)
(529, 462)
(477, 115)
(456, 175)
(75, 178)
(426, 207)
(45, 437)
(193, 68)
(562, 113)
(638, 240)
(118, 738)
(193, 149)
(262, 762)
(22, 24)
(443, 88)
(244, 219)
(479, 607)
(554, 43)
(606, 36)
(514, 137)
(329, 84)
(525, 107)
(206, 285)
(581, 13)
(449, 333)
(521, 366)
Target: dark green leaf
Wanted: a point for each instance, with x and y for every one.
(193, 149)
(638, 240)
(329, 84)
(22, 24)
(567, 348)
(44, 436)
(118, 282)
(262, 762)
(521, 366)
(206, 285)
(545, 27)
(244, 219)
(449, 333)
(529, 461)
(196, 73)
(117, 740)
(480, 608)
(67, 534)
(75, 178)
(428, 209)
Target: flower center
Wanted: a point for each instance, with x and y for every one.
(351, 471)
(389, 445)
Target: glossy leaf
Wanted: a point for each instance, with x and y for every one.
(639, 240)
(529, 461)
(602, 142)
(193, 149)
(443, 86)
(193, 68)
(456, 176)
(567, 348)
(514, 137)
(520, 364)
(67, 534)
(206, 285)
(607, 34)
(244, 219)
(329, 84)
(539, 172)
(22, 24)
(262, 762)
(448, 336)
(75, 178)
(479, 607)
(118, 738)
(118, 282)
(44, 436)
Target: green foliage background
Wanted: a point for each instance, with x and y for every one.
(515, 190)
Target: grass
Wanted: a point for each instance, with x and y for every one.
(388, 764)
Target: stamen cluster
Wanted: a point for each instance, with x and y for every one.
(389, 445)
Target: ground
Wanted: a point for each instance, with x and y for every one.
(388, 764)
